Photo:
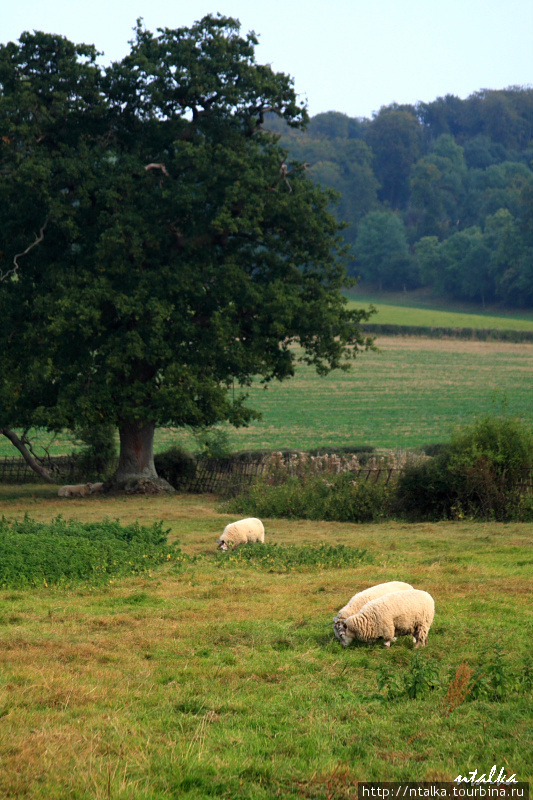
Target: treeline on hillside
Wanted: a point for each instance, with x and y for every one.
(437, 194)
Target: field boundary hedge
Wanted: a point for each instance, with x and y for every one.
(430, 332)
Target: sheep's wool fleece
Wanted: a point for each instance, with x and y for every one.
(78, 490)
(396, 614)
(243, 531)
(360, 599)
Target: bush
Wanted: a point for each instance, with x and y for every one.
(478, 475)
(176, 466)
(337, 498)
(212, 443)
(426, 491)
(488, 460)
(98, 458)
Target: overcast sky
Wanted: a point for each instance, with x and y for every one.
(352, 56)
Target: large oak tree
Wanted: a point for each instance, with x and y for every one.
(156, 249)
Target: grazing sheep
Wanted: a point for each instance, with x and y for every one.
(361, 598)
(79, 490)
(241, 532)
(391, 615)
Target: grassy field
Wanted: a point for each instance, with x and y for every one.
(412, 392)
(222, 679)
(416, 308)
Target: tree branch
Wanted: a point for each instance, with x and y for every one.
(14, 270)
(162, 167)
(32, 462)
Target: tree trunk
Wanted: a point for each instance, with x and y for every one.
(27, 456)
(136, 470)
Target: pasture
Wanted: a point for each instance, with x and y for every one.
(409, 393)
(419, 308)
(220, 677)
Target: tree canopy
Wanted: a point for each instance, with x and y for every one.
(158, 249)
(445, 168)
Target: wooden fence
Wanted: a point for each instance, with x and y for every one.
(212, 476)
(229, 477)
(16, 470)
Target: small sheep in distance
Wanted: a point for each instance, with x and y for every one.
(361, 598)
(242, 532)
(391, 615)
(78, 490)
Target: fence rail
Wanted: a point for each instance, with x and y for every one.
(16, 470)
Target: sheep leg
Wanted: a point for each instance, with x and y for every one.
(388, 634)
(421, 636)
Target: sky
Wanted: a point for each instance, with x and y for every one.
(352, 56)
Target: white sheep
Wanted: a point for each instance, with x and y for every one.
(79, 490)
(241, 532)
(397, 614)
(357, 602)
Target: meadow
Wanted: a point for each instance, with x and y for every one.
(217, 676)
(419, 308)
(409, 393)
(177, 671)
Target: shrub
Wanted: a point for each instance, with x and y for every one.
(212, 443)
(488, 460)
(176, 466)
(97, 459)
(479, 474)
(426, 491)
(339, 498)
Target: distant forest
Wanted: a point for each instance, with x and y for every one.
(435, 195)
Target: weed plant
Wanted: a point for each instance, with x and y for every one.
(67, 552)
(279, 558)
(491, 678)
(338, 498)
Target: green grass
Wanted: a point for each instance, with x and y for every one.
(410, 393)
(396, 315)
(65, 552)
(417, 309)
(207, 682)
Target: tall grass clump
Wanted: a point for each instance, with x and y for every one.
(67, 551)
(480, 474)
(275, 558)
(327, 487)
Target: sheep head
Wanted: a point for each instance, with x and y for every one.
(345, 635)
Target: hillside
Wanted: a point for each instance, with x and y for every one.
(436, 195)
